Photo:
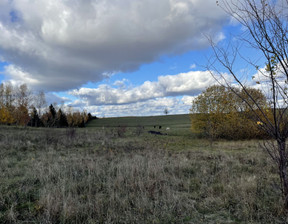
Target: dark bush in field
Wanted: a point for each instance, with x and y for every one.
(121, 130)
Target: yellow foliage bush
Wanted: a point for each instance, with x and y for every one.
(219, 113)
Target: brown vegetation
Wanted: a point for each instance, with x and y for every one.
(93, 176)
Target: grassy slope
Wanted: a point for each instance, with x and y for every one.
(178, 124)
(182, 120)
(94, 176)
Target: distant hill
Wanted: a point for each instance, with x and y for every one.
(179, 120)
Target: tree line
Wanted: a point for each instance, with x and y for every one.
(19, 106)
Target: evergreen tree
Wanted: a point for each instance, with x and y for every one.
(51, 116)
(61, 119)
(91, 117)
(35, 120)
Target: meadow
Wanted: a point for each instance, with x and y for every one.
(114, 171)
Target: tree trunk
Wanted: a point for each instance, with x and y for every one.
(283, 170)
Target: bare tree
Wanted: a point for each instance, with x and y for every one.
(265, 25)
(23, 103)
(40, 102)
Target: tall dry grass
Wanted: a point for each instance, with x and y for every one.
(88, 176)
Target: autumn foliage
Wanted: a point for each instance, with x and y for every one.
(19, 106)
(220, 113)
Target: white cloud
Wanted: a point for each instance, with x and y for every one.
(261, 80)
(187, 100)
(193, 66)
(19, 76)
(60, 45)
(121, 83)
(150, 107)
(191, 83)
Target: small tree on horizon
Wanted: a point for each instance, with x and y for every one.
(166, 111)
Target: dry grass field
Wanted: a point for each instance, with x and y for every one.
(95, 175)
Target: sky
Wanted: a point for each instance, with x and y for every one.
(112, 57)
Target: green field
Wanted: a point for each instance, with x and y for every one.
(181, 120)
(114, 171)
(177, 124)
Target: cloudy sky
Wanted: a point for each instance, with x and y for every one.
(112, 57)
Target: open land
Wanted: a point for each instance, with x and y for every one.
(114, 171)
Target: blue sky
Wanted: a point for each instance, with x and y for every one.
(112, 57)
